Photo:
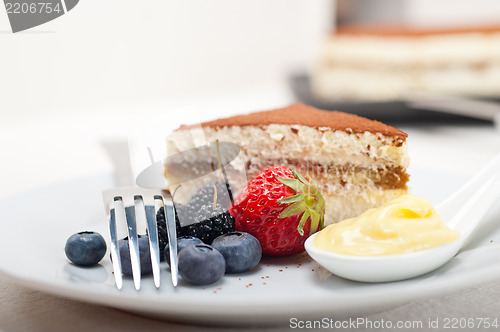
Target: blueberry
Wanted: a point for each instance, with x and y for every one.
(144, 254)
(200, 264)
(182, 242)
(241, 251)
(85, 248)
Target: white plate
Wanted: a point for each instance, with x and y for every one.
(35, 227)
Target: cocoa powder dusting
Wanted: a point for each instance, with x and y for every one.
(301, 114)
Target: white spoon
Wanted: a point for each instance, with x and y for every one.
(462, 212)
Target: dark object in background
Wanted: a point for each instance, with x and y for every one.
(394, 112)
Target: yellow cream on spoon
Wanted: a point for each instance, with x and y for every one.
(403, 225)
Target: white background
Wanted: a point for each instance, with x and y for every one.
(118, 52)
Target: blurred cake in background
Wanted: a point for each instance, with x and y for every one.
(383, 63)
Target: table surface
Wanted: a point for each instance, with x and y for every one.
(53, 147)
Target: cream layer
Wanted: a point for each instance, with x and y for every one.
(323, 145)
(342, 206)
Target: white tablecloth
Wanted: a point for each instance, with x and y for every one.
(55, 147)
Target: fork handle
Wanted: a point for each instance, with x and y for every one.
(119, 153)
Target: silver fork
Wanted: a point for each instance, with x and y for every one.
(116, 202)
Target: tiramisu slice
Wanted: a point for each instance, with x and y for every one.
(358, 163)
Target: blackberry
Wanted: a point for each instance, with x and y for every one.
(185, 214)
(162, 228)
(199, 216)
(205, 195)
(211, 222)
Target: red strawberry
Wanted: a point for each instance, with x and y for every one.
(276, 207)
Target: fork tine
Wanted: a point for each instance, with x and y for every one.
(133, 246)
(172, 239)
(115, 252)
(144, 217)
